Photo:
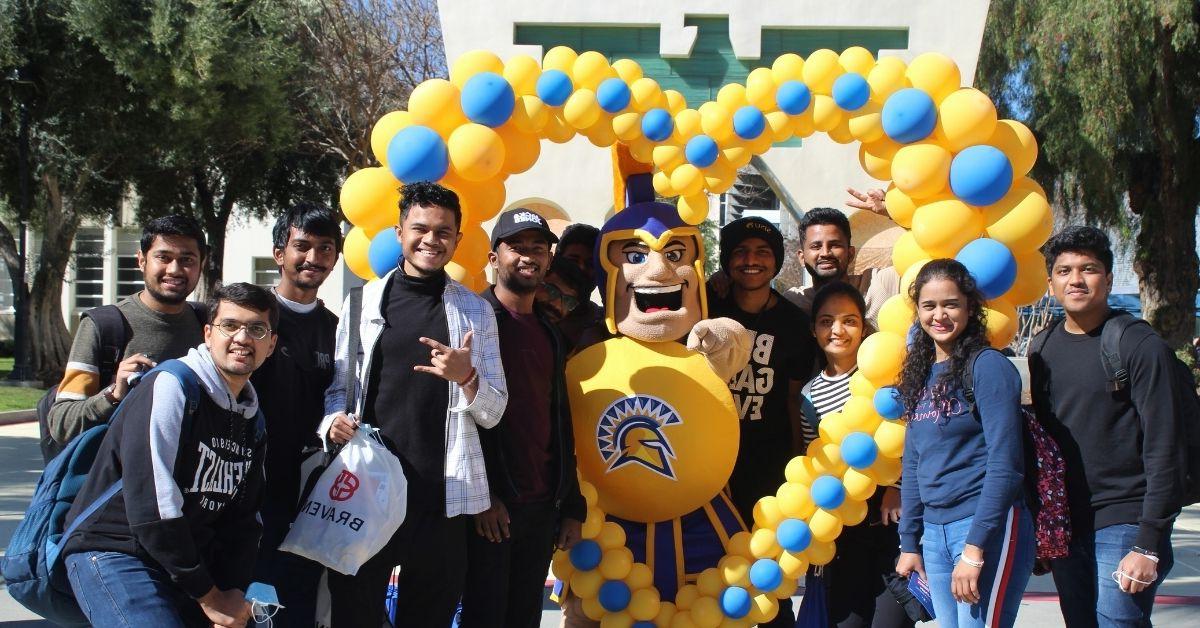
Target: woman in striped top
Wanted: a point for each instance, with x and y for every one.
(866, 552)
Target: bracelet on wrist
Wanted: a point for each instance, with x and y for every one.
(1145, 552)
(470, 380)
(978, 564)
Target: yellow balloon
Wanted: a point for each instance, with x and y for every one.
(675, 101)
(559, 58)
(785, 589)
(767, 513)
(668, 157)
(859, 414)
(709, 582)
(900, 206)
(1018, 143)
(880, 357)
(886, 78)
(820, 552)
(945, 226)
(935, 73)
(735, 570)
(355, 249)
(861, 386)
(686, 596)
(612, 536)
(586, 584)
(763, 608)
(370, 198)
(859, 486)
(522, 72)
(616, 620)
(889, 436)
(965, 118)
(763, 544)
(788, 67)
(921, 170)
(616, 563)
(795, 501)
(825, 525)
(560, 565)
(592, 524)
(693, 209)
(628, 70)
(760, 89)
(1002, 322)
(435, 104)
(590, 70)
(737, 155)
(798, 471)
(826, 113)
(866, 124)
(841, 133)
(581, 109)
(886, 469)
(662, 184)
(909, 277)
(876, 159)
(521, 150)
(821, 69)
(1030, 284)
(384, 130)
(627, 126)
(793, 565)
(1022, 220)
(896, 315)
(739, 545)
(732, 97)
(802, 123)
(481, 200)
(706, 612)
(472, 63)
(716, 121)
(476, 152)
(601, 132)
(906, 252)
(687, 125)
(763, 142)
(857, 59)
(719, 176)
(779, 126)
(644, 604)
(557, 130)
(852, 511)
(530, 114)
(642, 150)
(645, 94)
(687, 180)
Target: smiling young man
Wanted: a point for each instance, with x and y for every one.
(530, 455)
(291, 388)
(1121, 439)
(159, 325)
(429, 377)
(175, 545)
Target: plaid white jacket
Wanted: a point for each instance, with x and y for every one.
(465, 475)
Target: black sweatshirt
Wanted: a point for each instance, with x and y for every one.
(1122, 450)
(192, 485)
(408, 406)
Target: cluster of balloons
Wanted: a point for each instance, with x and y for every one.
(958, 184)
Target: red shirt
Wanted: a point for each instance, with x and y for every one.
(528, 358)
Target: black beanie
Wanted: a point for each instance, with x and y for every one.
(733, 233)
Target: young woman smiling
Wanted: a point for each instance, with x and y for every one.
(963, 522)
(866, 552)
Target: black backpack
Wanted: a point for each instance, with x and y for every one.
(1118, 379)
(112, 331)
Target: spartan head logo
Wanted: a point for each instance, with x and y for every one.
(343, 486)
(630, 431)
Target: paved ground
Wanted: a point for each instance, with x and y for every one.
(1179, 597)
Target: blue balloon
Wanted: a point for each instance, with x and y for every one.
(980, 174)
(613, 95)
(643, 624)
(657, 125)
(384, 252)
(828, 492)
(851, 91)
(793, 97)
(793, 535)
(701, 151)
(766, 574)
(614, 596)
(909, 115)
(859, 450)
(749, 122)
(887, 403)
(585, 556)
(735, 602)
(417, 153)
(991, 264)
(488, 99)
(554, 87)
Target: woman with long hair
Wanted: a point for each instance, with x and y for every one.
(963, 522)
(866, 552)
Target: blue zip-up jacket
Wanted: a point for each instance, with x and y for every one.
(959, 464)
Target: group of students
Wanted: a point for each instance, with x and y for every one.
(468, 391)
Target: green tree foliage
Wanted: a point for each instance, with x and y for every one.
(1111, 89)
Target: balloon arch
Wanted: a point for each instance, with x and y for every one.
(958, 186)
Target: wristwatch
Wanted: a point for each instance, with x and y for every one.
(108, 396)
(1144, 552)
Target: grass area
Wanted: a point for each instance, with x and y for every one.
(14, 398)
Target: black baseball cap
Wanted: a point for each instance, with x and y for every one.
(520, 219)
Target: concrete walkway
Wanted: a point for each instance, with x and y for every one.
(1178, 605)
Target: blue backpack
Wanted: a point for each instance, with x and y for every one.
(32, 565)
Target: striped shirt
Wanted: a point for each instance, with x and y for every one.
(824, 395)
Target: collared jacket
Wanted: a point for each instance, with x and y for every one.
(567, 498)
(465, 474)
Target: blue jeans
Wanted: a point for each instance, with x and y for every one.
(119, 590)
(1010, 554)
(1087, 593)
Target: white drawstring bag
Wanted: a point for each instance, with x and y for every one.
(354, 509)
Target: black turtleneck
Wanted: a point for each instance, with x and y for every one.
(410, 407)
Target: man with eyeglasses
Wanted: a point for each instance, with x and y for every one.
(175, 545)
(564, 290)
(530, 455)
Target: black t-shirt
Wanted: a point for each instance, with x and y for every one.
(528, 358)
(783, 351)
(408, 406)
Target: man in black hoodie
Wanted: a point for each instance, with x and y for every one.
(176, 545)
(530, 454)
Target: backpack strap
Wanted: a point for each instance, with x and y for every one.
(1039, 340)
(1110, 348)
(968, 378)
(112, 334)
(352, 348)
(187, 379)
(201, 312)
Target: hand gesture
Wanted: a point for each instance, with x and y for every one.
(492, 524)
(1136, 572)
(871, 200)
(889, 508)
(225, 608)
(449, 364)
(964, 581)
(910, 562)
(135, 363)
(343, 428)
(569, 532)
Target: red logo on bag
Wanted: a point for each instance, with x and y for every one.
(343, 486)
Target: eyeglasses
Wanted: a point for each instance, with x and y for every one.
(230, 328)
(557, 294)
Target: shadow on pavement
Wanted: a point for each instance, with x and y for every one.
(20, 468)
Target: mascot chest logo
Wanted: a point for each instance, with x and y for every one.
(632, 431)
